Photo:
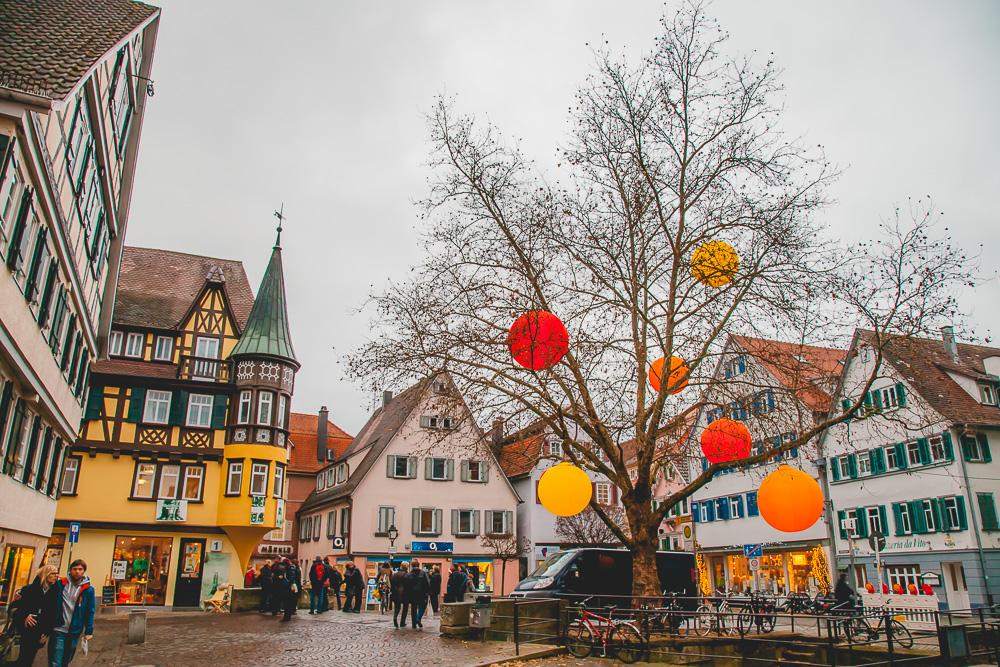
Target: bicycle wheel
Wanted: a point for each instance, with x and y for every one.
(704, 621)
(744, 622)
(900, 634)
(767, 620)
(854, 627)
(579, 640)
(627, 642)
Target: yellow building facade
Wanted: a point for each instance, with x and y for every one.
(179, 469)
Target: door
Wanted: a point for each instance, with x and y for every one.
(187, 590)
(206, 352)
(954, 586)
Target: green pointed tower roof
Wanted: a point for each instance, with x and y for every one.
(266, 332)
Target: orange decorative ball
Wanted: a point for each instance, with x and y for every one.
(678, 370)
(790, 500)
(725, 440)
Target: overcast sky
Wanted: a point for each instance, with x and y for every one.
(320, 106)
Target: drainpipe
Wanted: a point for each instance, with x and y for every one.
(975, 520)
(828, 515)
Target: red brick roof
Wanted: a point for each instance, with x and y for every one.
(47, 46)
(924, 364)
(798, 367)
(135, 368)
(302, 431)
(520, 456)
(157, 288)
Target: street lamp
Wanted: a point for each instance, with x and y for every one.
(392, 534)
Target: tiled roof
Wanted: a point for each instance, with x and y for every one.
(135, 368)
(157, 288)
(302, 431)
(923, 363)
(520, 456)
(800, 368)
(266, 330)
(47, 46)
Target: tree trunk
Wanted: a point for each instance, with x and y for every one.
(645, 580)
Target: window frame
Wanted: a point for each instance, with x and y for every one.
(129, 337)
(162, 476)
(201, 407)
(434, 529)
(735, 507)
(890, 458)
(444, 469)
(937, 441)
(927, 507)
(280, 413)
(186, 475)
(258, 475)
(949, 507)
(864, 464)
(153, 481)
(245, 407)
(480, 470)
(234, 470)
(598, 488)
(389, 516)
(873, 519)
(912, 447)
(905, 520)
(987, 394)
(115, 342)
(169, 340)
(261, 395)
(468, 513)
(159, 401)
(279, 480)
(78, 463)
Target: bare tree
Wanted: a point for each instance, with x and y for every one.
(683, 148)
(505, 548)
(588, 528)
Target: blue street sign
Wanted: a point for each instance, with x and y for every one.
(753, 550)
(74, 532)
(440, 547)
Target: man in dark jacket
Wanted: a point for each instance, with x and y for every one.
(78, 601)
(435, 590)
(843, 593)
(265, 587)
(398, 584)
(294, 575)
(317, 583)
(354, 586)
(333, 579)
(280, 589)
(458, 583)
(417, 587)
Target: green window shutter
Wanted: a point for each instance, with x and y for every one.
(845, 405)
(988, 511)
(6, 153)
(949, 450)
(967, 443)
(835, 468)
(882, 521)
(14, 258)
(841, 516)
(852, 466)
(878, 460)
(925, 450)
(897, 518)
(136, 404)
(984, 447)
(901, 455)
(963, 519)
(94, 400)
(877, 399)
(901, 394)
(861, 519)
(939, 521)
(178, 408)
(219, 405)
(867, 402)
(917, 517)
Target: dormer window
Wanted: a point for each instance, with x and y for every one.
(440, 387)
(133, 345)
(164, 348)
(437, 422)
(555, 448)
(115, 343)
(987, 394)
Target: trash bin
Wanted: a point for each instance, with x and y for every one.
(479, 614)
(954, 641)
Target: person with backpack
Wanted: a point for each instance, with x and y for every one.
(317, 583)
(36, 613)
(79, 603)
(417, 588)
(333, 579)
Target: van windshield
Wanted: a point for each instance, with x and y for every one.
(552, 565)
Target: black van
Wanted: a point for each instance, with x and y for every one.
(605, 572)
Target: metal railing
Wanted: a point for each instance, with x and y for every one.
(206, 369)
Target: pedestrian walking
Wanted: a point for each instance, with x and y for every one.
(418, 585)
(334, 580)
(36, 613)
(399, 604)
(458, 583)
(280, 589)
(317, 586)
(384, 587)
(294, 575)
(265, 587)
(76, 627)
(435, 588)
(354, 585)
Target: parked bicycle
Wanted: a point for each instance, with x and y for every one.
(622, 637)
(858, 627)
(759, 611)
(671, 616)
(716, 618)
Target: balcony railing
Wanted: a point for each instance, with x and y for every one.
(204, 369)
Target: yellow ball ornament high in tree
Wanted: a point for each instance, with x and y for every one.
(564, 489)
(715, 263)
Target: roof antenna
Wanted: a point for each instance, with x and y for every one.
(280, 215)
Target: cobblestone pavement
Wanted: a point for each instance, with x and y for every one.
(225, 640)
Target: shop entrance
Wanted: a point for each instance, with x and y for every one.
(187, 590)
(140, 569)
(17, 562)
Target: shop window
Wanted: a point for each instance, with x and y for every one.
(199, 413)
(71, 475)
(157, 407)
(115, 343)
(145, 476)
(16, 572)
(164, 348)
(258, 479)
(169, 481)
(133, 345)
(146, 565)
(234, 478)
(194, 481)
(904, 575)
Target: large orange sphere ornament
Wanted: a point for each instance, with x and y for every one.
(715, 263)
(790, 500)
(725, 440)
(678, 369)
(538, 340)
(564, 489)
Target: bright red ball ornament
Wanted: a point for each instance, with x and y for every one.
(927, 589)
(538, 340)
(870, 587)
(725, 440)
(912, 589)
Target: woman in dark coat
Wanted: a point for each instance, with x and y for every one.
(398, 583)
(38, 612)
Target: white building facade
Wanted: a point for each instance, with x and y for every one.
(916, 465)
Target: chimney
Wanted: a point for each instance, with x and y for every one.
(950, 345)
(496, 433)
(386, 397)
(321, 435)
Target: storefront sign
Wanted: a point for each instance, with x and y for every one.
(171, 510)
(339, 542)
(436, 547)
(118, 568)
(275, 549)
(257, 510)
(107, 595)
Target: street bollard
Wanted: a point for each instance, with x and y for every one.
(137, 626)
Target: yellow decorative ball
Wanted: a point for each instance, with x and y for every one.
(564, 489)
(715, 263)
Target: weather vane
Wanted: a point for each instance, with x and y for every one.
(280, 215)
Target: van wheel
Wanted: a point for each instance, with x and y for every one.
(579, 640)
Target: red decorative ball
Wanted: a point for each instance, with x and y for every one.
(870, 587)
(912, 589)
(725, 440)
(927, 589)
(897, 589)
(538, 340)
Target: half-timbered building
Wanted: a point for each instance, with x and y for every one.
(180, 467)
